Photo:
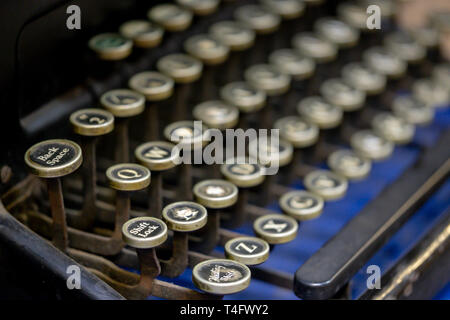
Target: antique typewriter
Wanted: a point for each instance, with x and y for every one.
(106, 105)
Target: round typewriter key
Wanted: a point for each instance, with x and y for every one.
(337, 32)
(412, 111)
(217, 114)
(92, 122)
(247, 250)
(180, 67)
(275, 228)
(363, 79)
(53, 158)
(353, 14)
(243, 172)
(297, 131)
(123, 103)
(216, 194)
(186, 133)
(221, 276)
(393, 128)
(207, 49)
(431, 93)
(143, 33)
(200, 7)
(343, 95)
(153, 85)
(144, 232)
(128, 177)
(441, 74)
(185, 216)
(383, 61)
(301, 205)
(268, 78)
(349, 164)
(233, 34)
(316, 110)
(111, 46)
(404, 46)
(426, 36)
(311, 46)
(370, 145)
(287, 9)
(279, 154)
(244, 96)
(171, 17)
(257, 18)
(326, 184)
(291, 62)
(157, 155)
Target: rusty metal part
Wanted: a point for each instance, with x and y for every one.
(59, 226)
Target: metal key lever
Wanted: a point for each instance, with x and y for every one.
(332, 267)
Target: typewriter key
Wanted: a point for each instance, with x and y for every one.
(337, 32)
(342, 94)
(433, 94)
(349, 164)
(122, 103)
(184, 70)
(441, 74)
(52, 159)
(404, 46)
(326, 184)
(354, 15)
(189, 137)
(171, 17)
(316, 110)
(412, 111)
(297, 131)
(111, 46)
(363, 79)
(217, 114)
(311, 46)
(185, 216)
(211, 52)
(242, 95)
(243, 172)
(235, 35)
(247, 250)
(276, 228)
(181, 217)
(143, 33)
(268, 78)
(277, 155)
(221, 276)
(257, 18)
(90, 123)
(370, 145)
(214, 195)
(301, 205)
(384, 62)
(155, 87)
(291, 62)
(144, 232)
(238, 37)
(157, 156)
(200, 7)
(207, 49)
(180, 67)
(287, 9)
(393, 128)
(128, 177)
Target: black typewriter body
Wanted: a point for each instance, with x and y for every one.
(395, 217)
